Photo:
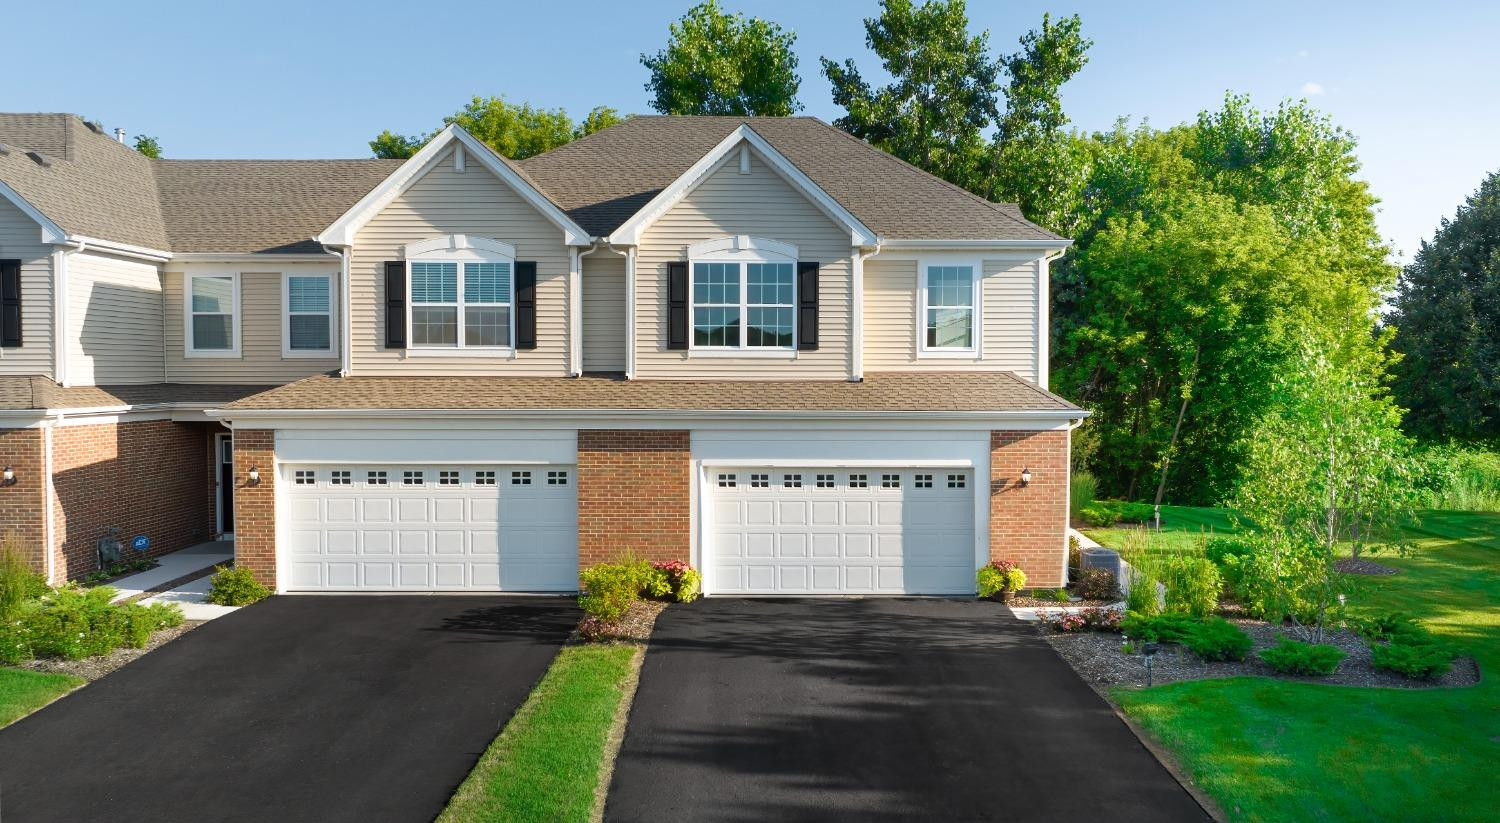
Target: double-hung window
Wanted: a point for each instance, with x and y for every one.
(744, 305)
(307, 327)
(461, 303)
(949, 309)
(213, 304)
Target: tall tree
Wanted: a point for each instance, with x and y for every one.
(1447, 313)
(941, 100)
(149, 146)
(1036, 164)
(720, 63)
(514, 130)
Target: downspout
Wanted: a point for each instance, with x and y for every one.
(346, 333)
(629, 312)
(575, 308)
(60, 309)
(857, 312)
(48, 493)
(1044, 317)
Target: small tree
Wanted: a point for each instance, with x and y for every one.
(720, 63)
(149, 146)
(1327, 466)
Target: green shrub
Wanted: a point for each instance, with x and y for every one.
(674, 580)
(18, 583)
(76, 623)
(1060, 596)
(235, 587)
(1082, 491)
(1142, 597)
(1097, 584)
(1136, 512)
(1296, 657)
(1459, 478)
(1217, 639)
(999, 576)
(1418, 660)
(1393, 626)
(610, 588)
(1193, 585)
(1099, 515)
(1162, 628)
(1230, 555)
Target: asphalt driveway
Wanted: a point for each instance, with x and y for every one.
(297, 708)
(874, 709)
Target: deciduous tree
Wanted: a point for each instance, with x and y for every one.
(515, 130)
(720, 63)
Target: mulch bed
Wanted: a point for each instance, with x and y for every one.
(1097, 658)
(1051, 603)
(1350, 565)
(635, 626)
(93, 668)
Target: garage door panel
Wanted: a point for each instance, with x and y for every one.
(831, 531)
(405, 528)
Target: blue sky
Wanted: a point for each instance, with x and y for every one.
(1415, 82)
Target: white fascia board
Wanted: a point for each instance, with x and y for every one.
(342, 232)
(123, 249)
(629, 234)
(1040, 245)
(254, 257)
(51, 232)
(668, 417)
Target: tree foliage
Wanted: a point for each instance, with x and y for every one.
(1447, 314)
(149, 146)
(941, 100)
(720, 63)
(514, 130)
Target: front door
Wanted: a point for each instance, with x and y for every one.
(224, 460)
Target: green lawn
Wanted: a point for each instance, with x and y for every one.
(1183, 528)
(23, 692)
(545, 765)
(1278, 751)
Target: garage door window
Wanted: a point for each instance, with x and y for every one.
(728, 481)
(825, 481)
(557, 478)
(448, 478)
(412, 478)
(305, 477)
(956, 481)
(859, 481)
(520, 478)
(375, 478)
(791, 481)
(760, 481)
(485, 478)
(922, 481)
(340, 477)
(890, 481)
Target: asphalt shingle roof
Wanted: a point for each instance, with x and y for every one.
(37, 393)
(885, 392)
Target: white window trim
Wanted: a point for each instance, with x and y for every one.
(235, 319)
(974, 352)
(739, 250)
(460, 249)
(287, 351)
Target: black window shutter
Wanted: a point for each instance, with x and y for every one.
(807, 306)
(10, 303)
(677, 305)
(395, 304)
(525, 304)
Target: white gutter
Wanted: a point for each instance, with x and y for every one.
(1044, 318)
(975, 244)
(142, 252)
(552, 414)
(60, 309)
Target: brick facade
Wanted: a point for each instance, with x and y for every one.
(634, 495)
(255, 505)
(1028, 524)
(152, 478)
(23, 505)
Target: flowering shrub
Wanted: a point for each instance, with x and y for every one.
(1101, 619)
(676, 580)
(1092, 619)
(1096, 584)
(593, 629)
(1071, 623)
(1000, 576)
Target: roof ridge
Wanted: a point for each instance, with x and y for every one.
(924, 173)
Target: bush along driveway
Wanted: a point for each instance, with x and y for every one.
(874, 709)
(296, 708)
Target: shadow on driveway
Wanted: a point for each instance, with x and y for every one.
(874, 709)
(297, 708)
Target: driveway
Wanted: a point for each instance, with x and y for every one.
(297, 708)
(874, 709)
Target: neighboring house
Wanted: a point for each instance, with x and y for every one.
(755, 344)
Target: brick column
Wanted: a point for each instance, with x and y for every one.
(1029, 525)
(634, 495)
(23, 505)
(255, 505)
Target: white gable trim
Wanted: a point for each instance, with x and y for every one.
(630, 233)
(51, 232)
(455, 242)
(342, 232)
(742, 243)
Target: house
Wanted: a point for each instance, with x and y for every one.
(754, 344)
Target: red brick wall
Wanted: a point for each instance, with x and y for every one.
(634, 495)
(23, 505)
(152, 478)
(1029, 525)
(255, 506)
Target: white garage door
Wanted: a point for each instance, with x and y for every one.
(431, 528)
(835, 531)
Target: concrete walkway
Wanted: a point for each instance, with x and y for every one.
(173, 566)
(191, 596)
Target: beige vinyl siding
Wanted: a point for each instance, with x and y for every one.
(114, 321)
(21, 239)
(604, 312)
(474, 202)
(261, 361)
(758, 204)
(1008, 315)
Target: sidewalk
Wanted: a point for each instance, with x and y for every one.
(175, 566)
(190, 596)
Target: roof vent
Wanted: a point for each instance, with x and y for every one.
(40, 159)
(4, 149)
(120, 135)
(94, 127)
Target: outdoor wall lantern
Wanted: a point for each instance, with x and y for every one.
(1025, 477)
(8, 477)
(254, 476)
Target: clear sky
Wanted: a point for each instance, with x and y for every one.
(1416, 82)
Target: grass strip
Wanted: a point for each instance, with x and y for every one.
(546, 764)
(23, 692)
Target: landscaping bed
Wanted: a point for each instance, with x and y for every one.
(93, 668)
(1099, 659)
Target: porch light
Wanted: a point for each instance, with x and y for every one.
(254, 476)
(8, 477)
(1026, 477)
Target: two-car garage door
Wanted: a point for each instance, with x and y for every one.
(360, 527)
(841, 531)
